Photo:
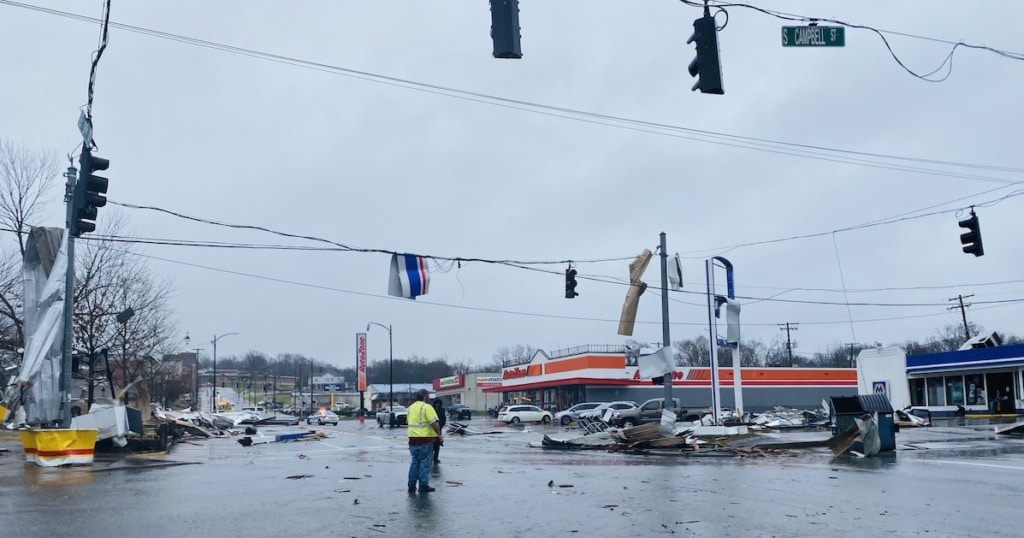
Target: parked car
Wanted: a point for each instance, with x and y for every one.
(598, 413)
(460, 412)
(393, 416)
(259, 411)
(323, 416)
(514, 414)
(649, 411)
(566, 416)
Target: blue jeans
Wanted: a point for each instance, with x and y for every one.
(419, 467)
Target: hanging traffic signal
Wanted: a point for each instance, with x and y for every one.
(89, 194)
(505, 28)
(570, 283)
(706, 65)
(971, 239)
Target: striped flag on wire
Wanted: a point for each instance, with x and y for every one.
(409, 276)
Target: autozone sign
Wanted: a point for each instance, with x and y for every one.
(519, 372)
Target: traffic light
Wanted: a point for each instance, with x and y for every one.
(570, 283)
(88, 194)
(505, 28)
(706, 65)
(971, 239)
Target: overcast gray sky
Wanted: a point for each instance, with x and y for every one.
(383, 165)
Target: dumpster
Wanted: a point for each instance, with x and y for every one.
(844, 409)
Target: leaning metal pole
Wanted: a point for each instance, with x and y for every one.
(69, 305)
(669, 402)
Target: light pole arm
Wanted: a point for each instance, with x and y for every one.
(391, 365)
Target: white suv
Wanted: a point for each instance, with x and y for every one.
(515, 414)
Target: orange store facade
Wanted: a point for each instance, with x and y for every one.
(598, 374)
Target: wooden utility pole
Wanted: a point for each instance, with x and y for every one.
(851, 344)
(963, 312)
(788, 327)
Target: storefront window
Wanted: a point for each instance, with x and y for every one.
(917, 394)
(955, 390)
(936, 394)
(975, 389)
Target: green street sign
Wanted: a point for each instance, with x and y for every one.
(813, 36)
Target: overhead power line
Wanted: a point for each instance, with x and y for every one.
(859, 158)
(946, 63)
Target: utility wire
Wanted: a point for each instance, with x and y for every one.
(751, 143)
(947, 62)
(120, 239)
(872, 224)
(347, 248)
(511, 312)
(96, 55)
(592, 278)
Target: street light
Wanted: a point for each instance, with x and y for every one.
(391, 366)
(195, 384)
(214, 342)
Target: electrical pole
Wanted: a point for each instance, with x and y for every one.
(851, 344)
(69, 305)
(669, 403)
(963, 312)
(788, 327)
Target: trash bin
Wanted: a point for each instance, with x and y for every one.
(845, 408)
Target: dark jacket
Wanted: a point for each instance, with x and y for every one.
(442, 416)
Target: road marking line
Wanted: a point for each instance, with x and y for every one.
(1015, 468)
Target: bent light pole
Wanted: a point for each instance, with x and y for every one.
(391, 364)
(213, 393)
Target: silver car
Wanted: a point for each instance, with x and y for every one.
(323, 416)
(573, 413)
(598, 412)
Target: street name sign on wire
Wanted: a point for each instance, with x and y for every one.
(813, 36)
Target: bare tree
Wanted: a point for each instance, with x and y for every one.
(752, 353)
(26, 180)
(694, 352)
(11, 289)
(950, 337)
(110, 279)
(837, 356)
(510, 355)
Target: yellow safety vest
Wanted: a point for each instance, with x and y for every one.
(419, 418)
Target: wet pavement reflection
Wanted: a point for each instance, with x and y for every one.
(352, 483)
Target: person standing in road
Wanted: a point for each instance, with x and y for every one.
(442, 419)
(423, 429)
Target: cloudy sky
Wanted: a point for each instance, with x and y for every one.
(396, 130)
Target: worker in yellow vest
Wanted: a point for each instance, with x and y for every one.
(423, 429)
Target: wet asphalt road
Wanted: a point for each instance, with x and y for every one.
(941, 482)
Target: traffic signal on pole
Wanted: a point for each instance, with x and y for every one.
(89, 193)
(706, 65)
(971, 239)
(505, 28)
(570, 283)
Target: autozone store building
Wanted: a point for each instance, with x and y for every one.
(602, 373)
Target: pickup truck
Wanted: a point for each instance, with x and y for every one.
(649, 411)
(392, 416)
